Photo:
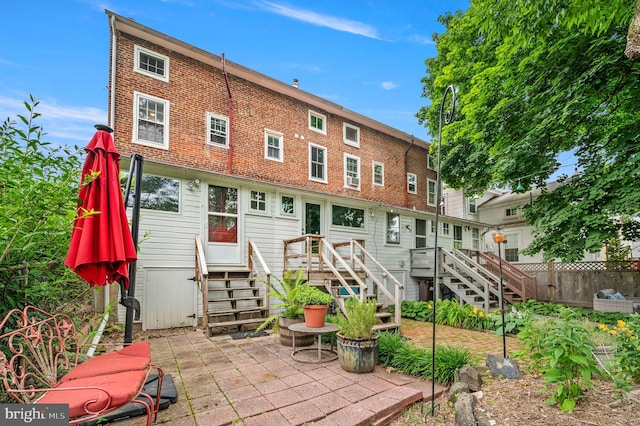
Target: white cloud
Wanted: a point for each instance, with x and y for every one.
(421, 39)
(61, 124)
(314, 18)
(388, 85)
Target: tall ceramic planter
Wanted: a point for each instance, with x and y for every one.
(358, 355)
(286, 335)
(314, 315)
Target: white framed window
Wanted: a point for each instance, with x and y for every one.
(157, 193)
(150, 63)
(317, 122)
(351, 134)
(317, 163)
(431, 192)
(471, 203)
(347, 216)
(378, 173)
(393, 228)
(258, 201)
(150, 121)
(511, 212)
(421, 233)
(432, 227)
(412, 183)
(351, 171)
(445, 228)
(217, 130)
(475, 238)
(431, 162)
(287, 205)
(273, 145)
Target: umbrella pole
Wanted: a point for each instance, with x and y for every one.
(129, 300)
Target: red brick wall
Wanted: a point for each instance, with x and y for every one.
(195, 88)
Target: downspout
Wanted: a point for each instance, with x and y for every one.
(112, 88)
(230, 107)
(406, 172)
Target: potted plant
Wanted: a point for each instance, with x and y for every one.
(315, 304)
(357, 342)
(286, 290)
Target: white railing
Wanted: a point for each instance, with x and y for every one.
(202, 278)
(259, 269)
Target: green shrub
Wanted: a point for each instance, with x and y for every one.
(360, 318)
(419, 311)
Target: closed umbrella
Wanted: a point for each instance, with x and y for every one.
(101, 245)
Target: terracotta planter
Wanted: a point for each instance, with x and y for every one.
(286, 336)
(358, 355)
(314, 315)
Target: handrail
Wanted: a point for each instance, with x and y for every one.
(345, 265)
(397, 298)
(202, 278)
(471, 268)
(254, 254)
(514, 279)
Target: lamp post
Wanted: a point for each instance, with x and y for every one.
(498, 238)
(448, 118)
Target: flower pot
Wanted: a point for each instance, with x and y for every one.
(286, 335)
(358, 355)
(314, 315)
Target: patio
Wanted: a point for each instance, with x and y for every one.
(222, 381)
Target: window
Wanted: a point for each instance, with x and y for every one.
(351, 171)
(421, 233)
(393, 228)
(475, 238)
(151, 121)
(511, 248)
(347, 216)
(445, 228)
(431, 162)
(431, 192)
(378, 174)
(151, 64)
(471, 202)
(273, 145)
(433, 227)
(317, 163)
(287, 205)
(217, 130)
(317, 122)
(258, 201)
(223, 214)
(457, 236)
(412, 185)
(351, 135)
(511, 212)
(157, 193)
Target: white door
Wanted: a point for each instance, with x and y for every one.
(223, 226)
(170, 298)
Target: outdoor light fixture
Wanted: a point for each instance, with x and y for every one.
(192, 184)
(447, 117)
(519, 187)
(498, 238)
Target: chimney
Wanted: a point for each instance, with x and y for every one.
(295, 83)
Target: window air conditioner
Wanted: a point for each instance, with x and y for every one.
(353, 181)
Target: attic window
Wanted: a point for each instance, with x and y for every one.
(511, 212)
(351, 135)
(151, 64)
(317, 122)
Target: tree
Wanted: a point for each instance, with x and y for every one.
(533, 80)
(38, 195)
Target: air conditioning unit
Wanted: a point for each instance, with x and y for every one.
(353, 181)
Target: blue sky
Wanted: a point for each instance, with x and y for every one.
(367, 56)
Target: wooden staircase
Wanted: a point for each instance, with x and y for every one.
(235, 302)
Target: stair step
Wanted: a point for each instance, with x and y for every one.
(232, 288)
(386, 326)
(237, 325)
(235, 299)
(220, 312)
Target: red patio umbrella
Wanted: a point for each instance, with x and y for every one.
(101, 245)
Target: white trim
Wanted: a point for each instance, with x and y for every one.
(250, 209)
(165, 122)
(136, 67)
(355, 143)
(435, 191)
(324, 122)
(280, 137)
(208, 117)
(325, 163)
(351, 182)
(415, 183)
(373, 173)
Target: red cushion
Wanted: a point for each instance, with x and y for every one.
(132, 358)
(122, 387)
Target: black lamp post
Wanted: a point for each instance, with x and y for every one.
(498, 238)
(448, 118)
